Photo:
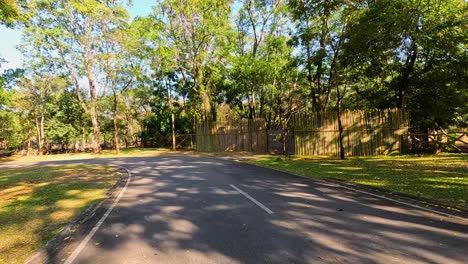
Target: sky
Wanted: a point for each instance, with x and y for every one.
(10, 38)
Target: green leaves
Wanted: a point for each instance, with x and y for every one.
(407, 53)
(10, 128)
(244, 59)
(9, 12)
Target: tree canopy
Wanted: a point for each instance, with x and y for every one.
(112, 79)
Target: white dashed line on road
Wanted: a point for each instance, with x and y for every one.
(252, 199)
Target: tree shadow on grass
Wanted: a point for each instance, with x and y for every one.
(435, 181)
(37, 202)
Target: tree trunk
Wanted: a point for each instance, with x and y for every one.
(116, 127)
(206, 106)
(42, 130)
(283, 138)
(133, 139)
(96, 132)
(340, 125)
(173, 130)
(39, 137)
(91, 109)
(83, 145)
(116, 135)
(29, 141)
(252, 106)
(129, 139)
(405, 77)
(94, 114)
(171, 108)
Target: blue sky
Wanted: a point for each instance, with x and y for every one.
(10, 38)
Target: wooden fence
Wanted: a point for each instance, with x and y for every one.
(183, 141)
(281, 142)
(364, 134)
(242, 135)
(435, 141)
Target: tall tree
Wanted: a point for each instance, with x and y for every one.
(36, 93)
(119, 65)
(66, 122)
(194, 30)
(257, 22)
(70, 33)
(319, 37)
(410, 54)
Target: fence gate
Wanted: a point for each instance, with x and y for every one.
(276, 142)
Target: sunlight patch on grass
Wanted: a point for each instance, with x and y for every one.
(351, 168)
(127, 152)
(370, 183)
(59, 216)
(36, 202)
(72, 192)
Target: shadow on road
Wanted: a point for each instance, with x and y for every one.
(182, 209)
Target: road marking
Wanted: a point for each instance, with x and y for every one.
(252, 199)
(368, 193)
(83, 243)
(401, 202)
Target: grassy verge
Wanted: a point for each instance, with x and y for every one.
(35, 203)
(442, 178)
(127, 152)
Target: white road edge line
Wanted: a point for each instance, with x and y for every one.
(400, 202)
(83, 243)
(252, 199)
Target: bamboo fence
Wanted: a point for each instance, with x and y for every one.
(364, 133)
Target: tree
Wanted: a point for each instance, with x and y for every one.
(321, 35)
(194, 30)
(36, 95)
(70, 33)
(119, 68)
(11, 125)
(409, 54)
(67, 123)
(319, 38)
(211, 60)
(10, 129)
(7, 81)
(159, 55)
(258, 22)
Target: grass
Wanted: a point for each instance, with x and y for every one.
(36, 202)
(442, 178)
(126, 152)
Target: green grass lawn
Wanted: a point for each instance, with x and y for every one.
(36, 202)
(442, 177)
(126, 152)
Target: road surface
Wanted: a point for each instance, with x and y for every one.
(184, 209)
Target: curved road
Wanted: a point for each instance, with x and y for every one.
(184, 209)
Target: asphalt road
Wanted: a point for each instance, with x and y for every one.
(183, 209)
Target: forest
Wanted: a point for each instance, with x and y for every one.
(94, 77)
